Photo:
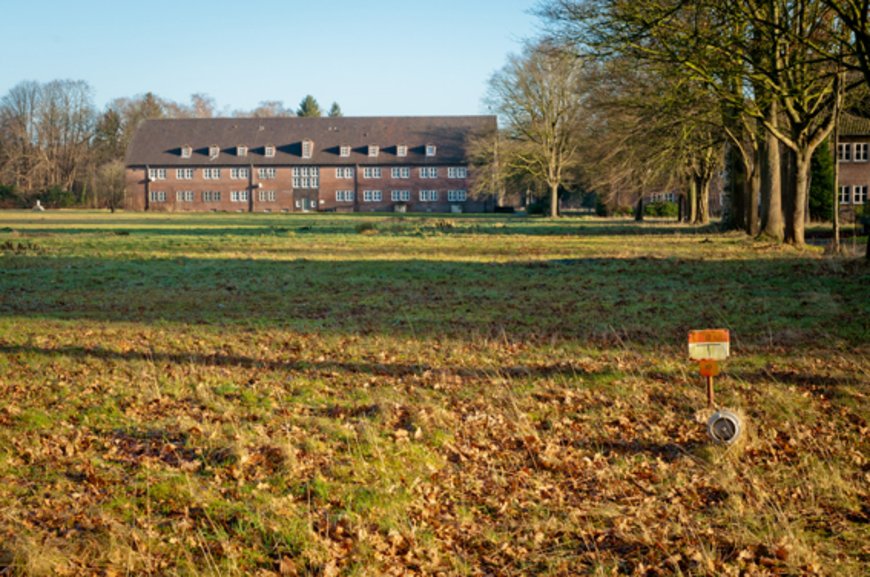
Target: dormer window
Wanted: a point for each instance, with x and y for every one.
(269, 151)
(344, 151)
(214, 151)
(186, 151)
(374, 150)
(401, 150)
(241, 151)
(430, 150)
(307, 148)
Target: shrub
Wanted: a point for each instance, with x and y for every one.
(662, 208)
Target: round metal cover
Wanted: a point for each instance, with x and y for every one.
(724, 427)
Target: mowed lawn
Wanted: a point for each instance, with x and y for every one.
(235, 394)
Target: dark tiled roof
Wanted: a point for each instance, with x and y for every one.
(852, 125)
(159, 142)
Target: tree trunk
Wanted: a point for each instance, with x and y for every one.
(554, 199)
(692, 201)
(788, 191)
(801, 192)
(638, 211)
(753, 193)
(681, 207)
(703, 214)
(737, 170)
(771, 186)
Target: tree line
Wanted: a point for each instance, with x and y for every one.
(630, 97)
(56, 146)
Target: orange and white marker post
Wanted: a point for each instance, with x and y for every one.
(708, 347)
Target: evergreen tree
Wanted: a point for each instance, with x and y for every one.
(335, 110)
(822, 184)
(309, 107)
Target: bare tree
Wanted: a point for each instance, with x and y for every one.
(536, 96)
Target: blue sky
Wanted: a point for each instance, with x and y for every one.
(374, 58)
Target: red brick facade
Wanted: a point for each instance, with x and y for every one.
(304, 165)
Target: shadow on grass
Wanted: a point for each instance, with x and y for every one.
(606, 301)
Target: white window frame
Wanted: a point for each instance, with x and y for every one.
(239, 174)
(374, 150)
(211, 173)
(214, 151)
(372, 172)
(844, 152)
(373, 195)
(428, 196)
(398, 172)
(457, 172)
(266, 173)
(428, 172)
(306, 177)
(186, 151)
(269, 151)
(400, 195)
(183, 196)
(460, 195)
(344, 172)
(344, 151)
(211, 196)
(344, 196)
(267, 196)
(845, 194)
(307, 148)
(241, 151)
(157, 174)
(238, 196)
(184, 174)
(859, 194)
(401, 151)
(862, 152)
(431, 150)
(157, 196)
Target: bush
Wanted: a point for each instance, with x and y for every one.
(668, 209)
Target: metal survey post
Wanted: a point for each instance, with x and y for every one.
(709, 347)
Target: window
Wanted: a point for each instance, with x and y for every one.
(211, 196)
(401, 195)
(157, 173)
(457, 195)
(239, 173)
(428, 195)
(861, 151)
(431, 149)
(266, 173)
(214, 151)
(269, 151)
(371, 172)
(457, 172)
(184, 196)
(374, 150)
(844, 195)
(186, 151)
(157, 196)
(184, 174)
(241, 151)
(401, 172)
(267, 196)
(429, 172)
(211, 173)
(238, 196)
(372, 195)
(844, 151)
(344, 172)
(306, 177)
(859, 194)
(307, 148)
(344, 196)
(402, 150)
(344, 151)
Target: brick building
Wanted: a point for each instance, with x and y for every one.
(346, 164)
(853, 153)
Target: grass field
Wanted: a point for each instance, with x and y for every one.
(363, 395)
